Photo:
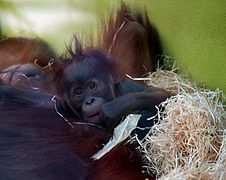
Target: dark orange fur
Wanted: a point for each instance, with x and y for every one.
(18, 50)
(131, 41)
(38, 147)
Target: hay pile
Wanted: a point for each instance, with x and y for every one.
(189, 140)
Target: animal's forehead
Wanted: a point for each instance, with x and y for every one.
(81, 71)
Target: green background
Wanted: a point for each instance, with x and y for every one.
(193, 32)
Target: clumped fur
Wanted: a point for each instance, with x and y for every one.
(138, 35)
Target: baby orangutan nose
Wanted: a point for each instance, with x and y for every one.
(91, 108)
(90, 100)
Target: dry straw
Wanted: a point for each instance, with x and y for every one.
(189, 140)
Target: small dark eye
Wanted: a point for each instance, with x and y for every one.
(92, 86)
(79, 92)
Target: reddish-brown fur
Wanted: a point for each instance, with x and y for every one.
(41, 145)
(131, 41)
(18, 50)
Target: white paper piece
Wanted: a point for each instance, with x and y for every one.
(121, 132)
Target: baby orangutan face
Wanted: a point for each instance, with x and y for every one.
(88, 87)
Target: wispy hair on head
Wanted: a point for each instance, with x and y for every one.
(74, 49)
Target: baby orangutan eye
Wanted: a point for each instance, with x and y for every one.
(79, 92)
(92, 86)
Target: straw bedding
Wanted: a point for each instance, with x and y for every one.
(189, 140)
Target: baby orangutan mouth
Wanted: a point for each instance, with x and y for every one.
(93, 118)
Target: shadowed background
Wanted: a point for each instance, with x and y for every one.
(192, 32)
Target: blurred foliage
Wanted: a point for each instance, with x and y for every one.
(9, 7)
(53, 21)
(6, 5)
